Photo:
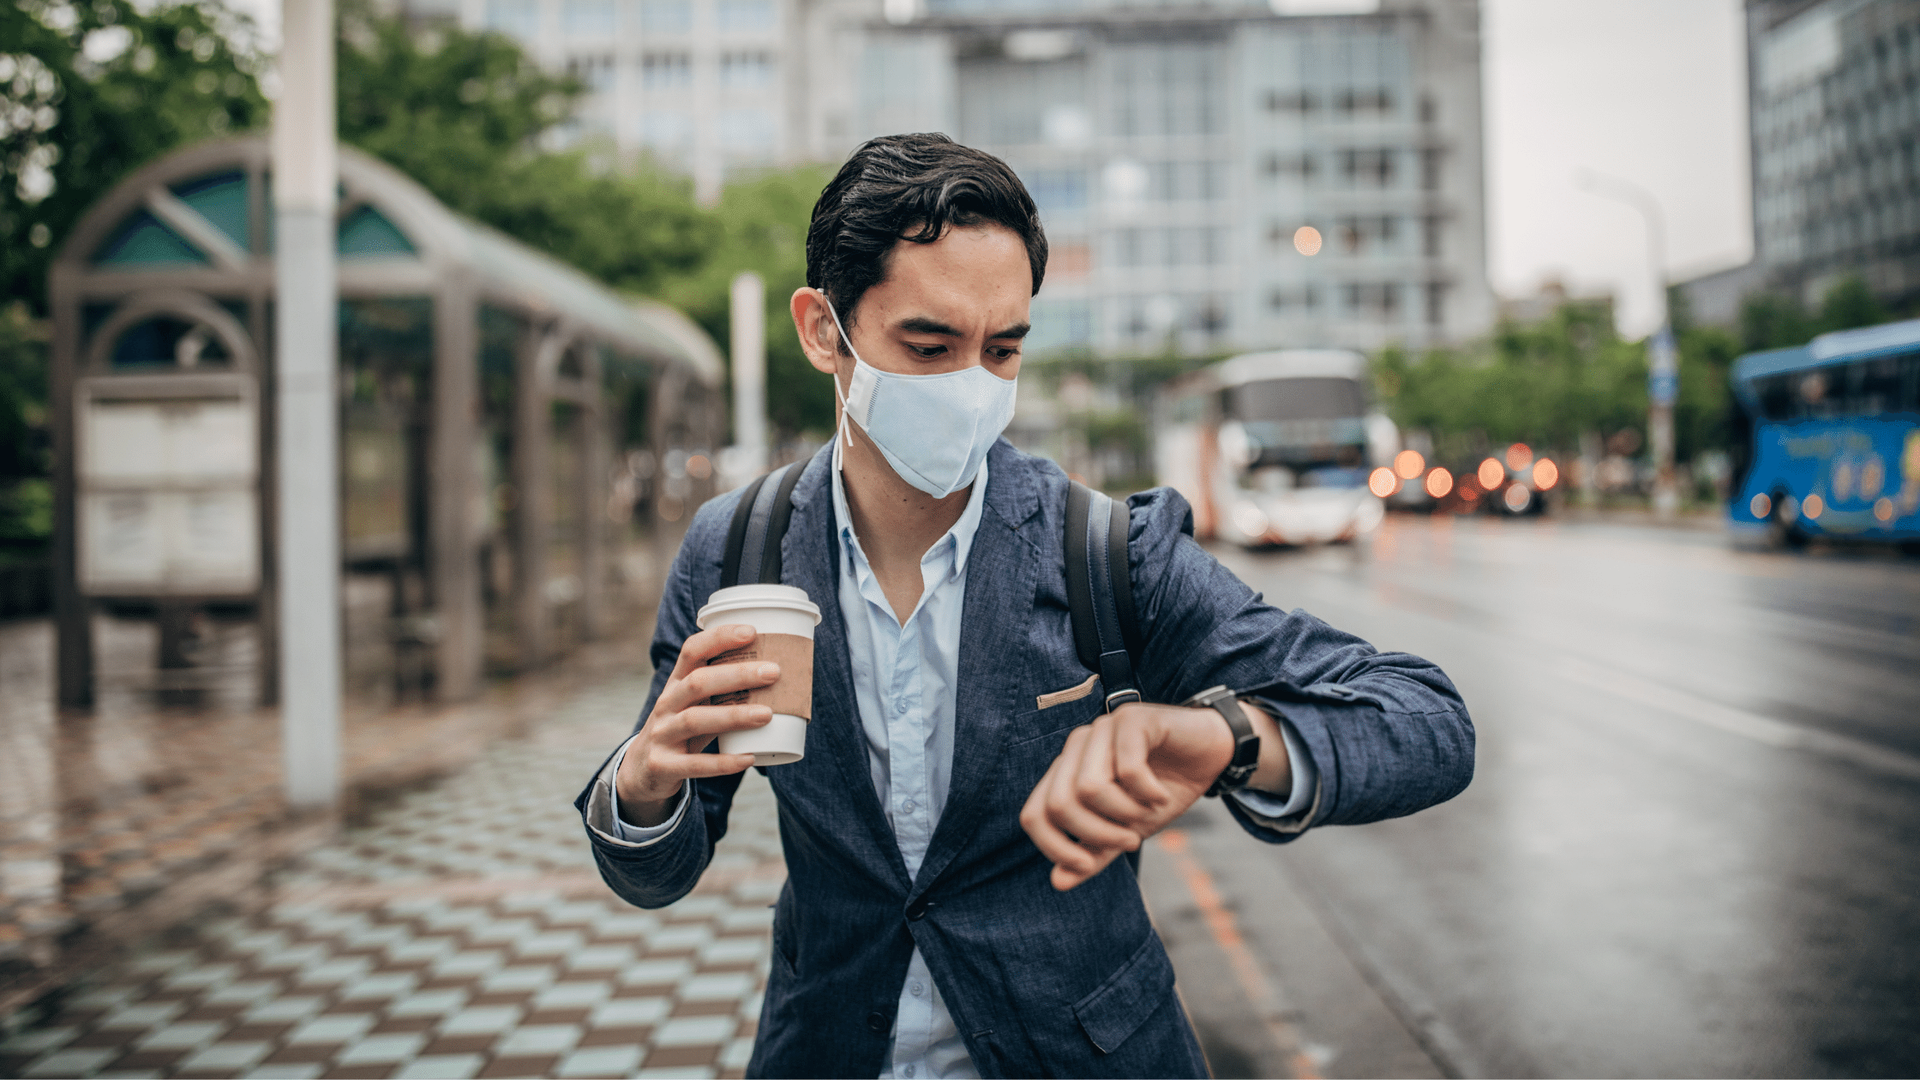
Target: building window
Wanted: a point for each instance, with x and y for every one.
(1352, 104)
(1293, 166)
(1291, 101)
(515, 18)
(745, 15)
(665, 131)
(666, 16)
(1057, 191)
(1430, 237)
(666, 70)
(747, 132)
(595, 72)
(1436, 303)
(1360, 234)
(587, 17)
(746, 70)
(1430, 170)
(1367, 168)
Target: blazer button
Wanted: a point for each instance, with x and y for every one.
(876, 1023)
(917, 911)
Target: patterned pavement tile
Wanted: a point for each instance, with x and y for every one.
(459, 931)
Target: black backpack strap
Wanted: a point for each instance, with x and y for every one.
(1105, 631)
(759, 524)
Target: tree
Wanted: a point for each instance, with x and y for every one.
(763, 228)
(89, 92)
(467, 114)
(1544, 384)
(1776, 321)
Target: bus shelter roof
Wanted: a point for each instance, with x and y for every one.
(202, 218)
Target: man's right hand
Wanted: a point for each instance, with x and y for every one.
(669, 749)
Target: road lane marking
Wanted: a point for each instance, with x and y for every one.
(1226, 933)
(1749, 725)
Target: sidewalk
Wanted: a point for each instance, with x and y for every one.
(458, 931)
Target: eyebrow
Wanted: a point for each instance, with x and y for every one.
(920, 324)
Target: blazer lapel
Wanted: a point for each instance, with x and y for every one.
(810, 560)
(1001, 578)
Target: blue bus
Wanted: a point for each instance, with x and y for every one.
(1835, 447)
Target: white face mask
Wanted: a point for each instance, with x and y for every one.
(934, 430)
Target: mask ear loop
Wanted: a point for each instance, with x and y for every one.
(845, 419)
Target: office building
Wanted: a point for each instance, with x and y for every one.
(1834, 114)
(1211, 177)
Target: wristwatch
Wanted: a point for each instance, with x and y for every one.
(1246, 744)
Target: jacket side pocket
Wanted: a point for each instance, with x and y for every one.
(1120, 1005)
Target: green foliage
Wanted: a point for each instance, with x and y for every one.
(1544, 384)
(108, 86)
(465, 114)
(26, 502)
(762, 227)
(1774, 321)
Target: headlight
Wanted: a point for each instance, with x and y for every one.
(1517, 497)
(1250, 520)
(1545, 474)
(1382, 482)
(1236, 448)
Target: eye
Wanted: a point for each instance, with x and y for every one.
(927, 352)
(1004, 352)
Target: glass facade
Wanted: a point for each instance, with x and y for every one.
(1835, 117)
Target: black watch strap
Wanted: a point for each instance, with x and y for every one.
(1246, 744)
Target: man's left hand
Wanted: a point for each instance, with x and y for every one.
(1123, 778)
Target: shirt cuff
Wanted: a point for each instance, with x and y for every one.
(626, 832)
(1306, 780)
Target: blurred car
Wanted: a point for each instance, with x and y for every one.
(1512, 484)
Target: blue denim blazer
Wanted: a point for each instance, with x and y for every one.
(1041, 983)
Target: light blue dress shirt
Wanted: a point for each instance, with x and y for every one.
(904, 679)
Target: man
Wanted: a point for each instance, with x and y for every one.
(956, 904)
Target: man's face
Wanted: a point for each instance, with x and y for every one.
(959, 302)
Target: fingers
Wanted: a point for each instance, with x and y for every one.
(1131, 749)
(709, 643)
(703, 683)
(1096, 786)
(1063, 815)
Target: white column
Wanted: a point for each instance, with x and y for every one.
(749, 336)
(306, 172)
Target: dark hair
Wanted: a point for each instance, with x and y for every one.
(925, 183)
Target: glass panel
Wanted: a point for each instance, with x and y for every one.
(222, 200)
(367, 233)
(144, 240)
(386, 364)
(165, 341)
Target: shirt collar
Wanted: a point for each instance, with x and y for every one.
(961, 534)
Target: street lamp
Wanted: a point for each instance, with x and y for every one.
(1663, 364)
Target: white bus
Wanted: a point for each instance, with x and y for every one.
(1276, 447)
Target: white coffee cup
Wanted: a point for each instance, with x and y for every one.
(784, 619)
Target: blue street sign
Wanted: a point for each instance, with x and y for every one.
(1663, 389)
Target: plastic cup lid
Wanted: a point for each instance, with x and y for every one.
(745, 597)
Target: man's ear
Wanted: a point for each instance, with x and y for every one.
(814, 325)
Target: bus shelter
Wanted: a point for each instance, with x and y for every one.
(501, 415)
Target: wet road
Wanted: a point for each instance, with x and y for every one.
(1693, 843)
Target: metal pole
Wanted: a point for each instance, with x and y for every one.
(750, 372)
(306, 299)
(1663, 363)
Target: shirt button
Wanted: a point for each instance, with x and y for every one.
(900, 707)
(917, 989)
(876, 1023)
(907, 806)
(906, 1070)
